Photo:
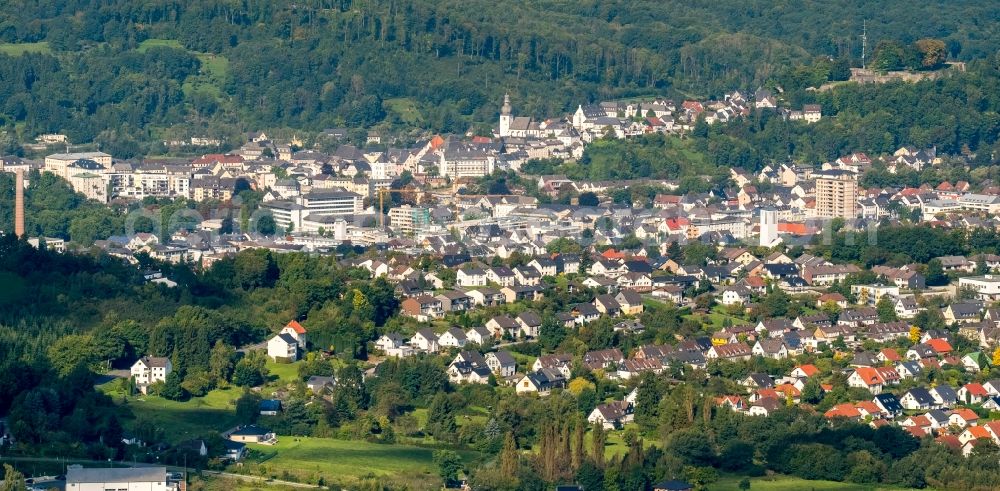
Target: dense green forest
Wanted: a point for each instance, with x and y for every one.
(124, 72)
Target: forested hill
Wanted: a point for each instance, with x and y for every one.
(118, 70)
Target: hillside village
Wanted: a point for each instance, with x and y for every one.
(531, 291)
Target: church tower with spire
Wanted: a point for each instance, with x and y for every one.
(505, 117)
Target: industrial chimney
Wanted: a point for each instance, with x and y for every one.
(19, 203)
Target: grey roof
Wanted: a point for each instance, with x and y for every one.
(103, 475)
(762, 380)
(530, 318)
(504, 357)
(922, 395)
(946, 393)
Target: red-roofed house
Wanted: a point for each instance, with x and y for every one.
(974, 433)
(804, 371)
(613, 254)
(940, 346)
(951, 441)
(972, 393)
(873, 379)
(844, 410)
(920, 423)
(963, 417)
(889, 354)
(736, 403)
(295, 330)
(868, 408)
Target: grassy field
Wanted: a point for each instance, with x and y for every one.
(285, 372)
(405, 108)
(348, 462)
(213, 68)
(18, 49)
(787, 483)
(183, 420)
(158, 43)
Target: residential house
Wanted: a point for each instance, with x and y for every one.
(770, 348)
(425, 340)
(478, 335)
(503, 325)
(423, 308)
(149, 370)
(630, 302)
(541, 382)
(606, 304)
(917, 398)
(603, 359)
(389, 341)
(888, 403)
(562, 362)
(612, 416)
(729, 351)
(501, 363)
(453, 338)
(470, 276)
(283, 347)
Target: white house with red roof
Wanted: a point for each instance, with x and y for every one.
(287, 343)
(296, 331)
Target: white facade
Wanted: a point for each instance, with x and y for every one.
(148, 370)
(987, 287)
(283, 346)
(123, 479)
(768, 227)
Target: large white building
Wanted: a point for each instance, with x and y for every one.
(118, 479)
(987, 287)
(57, 163)
(304, 213)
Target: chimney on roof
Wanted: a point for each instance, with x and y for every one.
(19, 203)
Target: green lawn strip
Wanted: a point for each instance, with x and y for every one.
(344, 461)
(18, 49)
(789, 483)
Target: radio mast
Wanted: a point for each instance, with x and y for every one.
(864, 41)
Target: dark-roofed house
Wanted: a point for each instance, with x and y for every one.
(502, 363)
(503, 325)
(270, 407)
(319, 383)
(612, 415)
(673, 485)
(284, 347)
(757, 381)
(530, 322)
(541, 382)
(889, 404)
(607, 304)
(253, 434)
(917, 398)
(630, 302)
(601, 359)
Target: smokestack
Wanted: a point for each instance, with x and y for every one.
(19, 203)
